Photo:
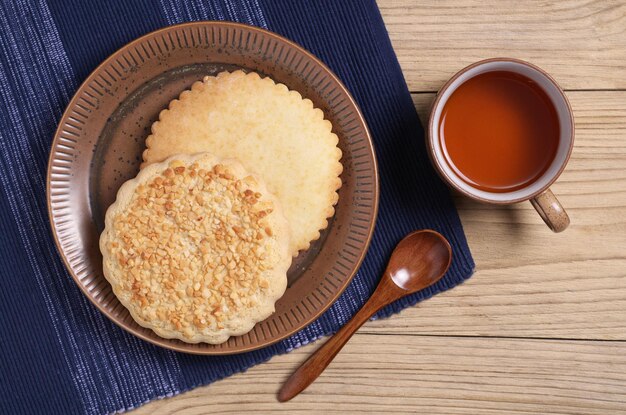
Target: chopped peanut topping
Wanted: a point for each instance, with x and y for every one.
(194, 247)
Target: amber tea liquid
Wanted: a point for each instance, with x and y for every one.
(499, 131)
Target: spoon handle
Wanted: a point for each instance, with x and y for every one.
(318, 361)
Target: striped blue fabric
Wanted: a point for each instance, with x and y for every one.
(60, 355)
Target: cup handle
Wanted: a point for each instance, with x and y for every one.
(551, 211)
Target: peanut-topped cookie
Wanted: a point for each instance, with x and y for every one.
(273, 131)
(196, 248)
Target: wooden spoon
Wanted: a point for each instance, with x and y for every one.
(418, 261)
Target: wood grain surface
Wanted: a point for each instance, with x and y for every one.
(541, 327)
(582, 43)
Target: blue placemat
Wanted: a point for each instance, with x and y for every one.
(59, 354)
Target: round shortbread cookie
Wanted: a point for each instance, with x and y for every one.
(273, 131)
(196, 248)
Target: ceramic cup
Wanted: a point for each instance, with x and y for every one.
(538, 192)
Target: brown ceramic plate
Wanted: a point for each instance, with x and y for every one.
(100, 138)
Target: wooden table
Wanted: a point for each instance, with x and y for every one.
(541, 327)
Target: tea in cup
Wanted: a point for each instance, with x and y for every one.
(501, 131)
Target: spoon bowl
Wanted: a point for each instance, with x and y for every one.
(418, 261)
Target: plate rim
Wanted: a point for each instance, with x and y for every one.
(167, 343)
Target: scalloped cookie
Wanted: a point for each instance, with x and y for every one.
(273, 131)
(196, 248)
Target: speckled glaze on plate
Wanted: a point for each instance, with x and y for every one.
(100, 138)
